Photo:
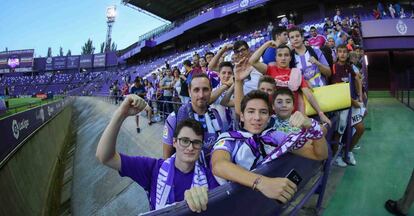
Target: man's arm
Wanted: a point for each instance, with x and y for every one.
(281, 189)
(322, 65)
(254, 59)
(308, 94)
(167, 137)
(227, 101)
(318, 150)
(213, 65)
(218, 91)
(241, 72)
(106, 150)
(167, 150)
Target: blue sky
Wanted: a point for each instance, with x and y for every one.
(39, 24)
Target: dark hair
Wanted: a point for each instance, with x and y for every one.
(187, 63)
(266, 79)
(342, 46)
(283, 91)
(284, 46)
(190, 123)
(208, 53)
(225, 64)
(199, 75)
(278, 31)
(255, 94)
(239, 44)
(312, 27)
(295, 28)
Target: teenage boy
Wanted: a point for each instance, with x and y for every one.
(238, 152)
(280, 36)
(176, 178)
(341, 71)
(139, 89)
(225, 85)
(311, 61)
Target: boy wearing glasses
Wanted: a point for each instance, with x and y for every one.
(166, 181)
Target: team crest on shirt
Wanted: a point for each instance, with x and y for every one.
(220, 144)
(165, 132)
(401, 27)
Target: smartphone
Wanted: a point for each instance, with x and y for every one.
(294, 177)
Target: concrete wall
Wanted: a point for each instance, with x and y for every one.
(26, 178)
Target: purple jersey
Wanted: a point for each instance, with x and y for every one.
(144, 171)
(311, 71)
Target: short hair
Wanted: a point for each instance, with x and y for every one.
(283, 91)
(284, 46)
(187, 63)
(208, 53)
(342, 46)
(255, 94)
(239, 44)
(278, 31)
(199, 75)
(266, 79)
(225, 64)
(190, 123)
(312, 27)
(295, 28)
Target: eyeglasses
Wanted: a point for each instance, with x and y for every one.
(185, 142)
(240, 50)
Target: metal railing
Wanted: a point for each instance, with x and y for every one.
(404, 88)
(161, 108)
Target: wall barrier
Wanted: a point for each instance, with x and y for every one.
(18, 128)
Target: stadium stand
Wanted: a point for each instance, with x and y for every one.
(187, 38)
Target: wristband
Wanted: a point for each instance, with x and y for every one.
(256, 182)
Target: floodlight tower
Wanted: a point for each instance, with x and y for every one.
(110, 20)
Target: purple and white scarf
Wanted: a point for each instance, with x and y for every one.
(292, 141)
(165, 181)
(295, 141)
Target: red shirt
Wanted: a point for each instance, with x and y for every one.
(317, 41)
(282, 77)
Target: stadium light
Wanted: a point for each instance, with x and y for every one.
(110, 19)
(280, 16)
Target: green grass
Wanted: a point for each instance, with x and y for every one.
(21, 104)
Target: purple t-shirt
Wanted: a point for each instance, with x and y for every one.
(144, 171)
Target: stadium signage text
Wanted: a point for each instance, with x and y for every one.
(17, 127)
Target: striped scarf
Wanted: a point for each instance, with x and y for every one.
(165, 181)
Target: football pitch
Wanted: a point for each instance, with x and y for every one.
(21, 104)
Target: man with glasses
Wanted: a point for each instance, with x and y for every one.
(174, 179)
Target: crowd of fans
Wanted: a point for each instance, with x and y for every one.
(241, 107)
(390, 10)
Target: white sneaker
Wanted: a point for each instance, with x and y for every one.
(340, 162)
(351, 159)
(357, 147)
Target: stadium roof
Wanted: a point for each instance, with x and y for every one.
(168, 9)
